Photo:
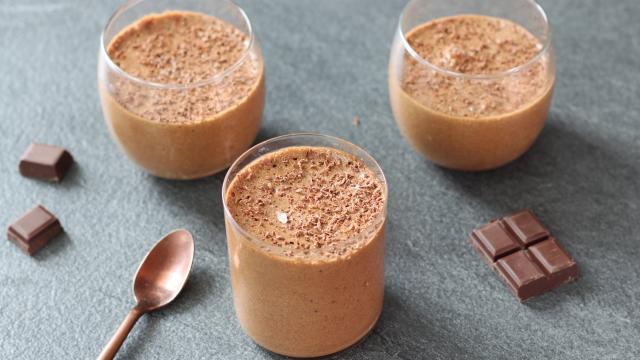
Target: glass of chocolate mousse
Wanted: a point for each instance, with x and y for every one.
(181, 84)
(470, 81)
(305, 218)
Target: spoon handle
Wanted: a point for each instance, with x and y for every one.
(117, 339)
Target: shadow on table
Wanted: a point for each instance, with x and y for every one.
(74, 178)
(406, 332)
(201, 286)
(562, 165)
(56, 246)
(200, 198)
(133, 347)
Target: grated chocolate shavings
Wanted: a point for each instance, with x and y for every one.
(323, 202)
(473, 44)
(181, 48)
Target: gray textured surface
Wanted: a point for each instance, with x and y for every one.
(326, 62)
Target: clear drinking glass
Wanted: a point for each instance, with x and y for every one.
(206, 131)
(473, 136)
(305, 306)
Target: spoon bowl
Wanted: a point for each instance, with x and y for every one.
(164, 271)
(159, 279)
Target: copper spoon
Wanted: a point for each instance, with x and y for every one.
(159, 279)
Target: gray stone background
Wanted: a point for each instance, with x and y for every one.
(326, 62)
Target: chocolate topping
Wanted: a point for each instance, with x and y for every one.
(181, 48)
(473, 45)
(302, 198)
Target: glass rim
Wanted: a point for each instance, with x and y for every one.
(173, 86)
(514, 70)
(253, 239)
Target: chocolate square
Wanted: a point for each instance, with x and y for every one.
(521, 273)
(526, 227)
(34, 229)
(494, 241)
(45, 162)
(554, 260)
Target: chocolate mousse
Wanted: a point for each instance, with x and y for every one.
(187, 96)
(475, 92)
(305, 229)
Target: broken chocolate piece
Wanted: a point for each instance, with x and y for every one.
(34, 229)
(45, 162)
(523, 253)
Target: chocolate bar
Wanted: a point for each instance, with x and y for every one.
(45, 162)
(524, 254)
(34, 229)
